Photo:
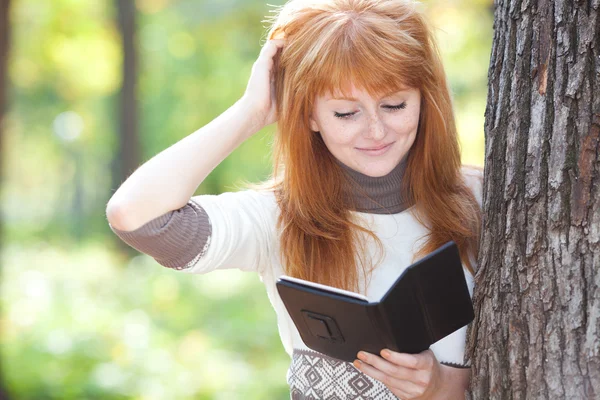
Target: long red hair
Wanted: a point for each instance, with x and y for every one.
(380, 46)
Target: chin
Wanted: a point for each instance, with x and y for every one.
(378, 170)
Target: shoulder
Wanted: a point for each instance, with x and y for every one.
(242, 198)
(473, 177)
(248, 208)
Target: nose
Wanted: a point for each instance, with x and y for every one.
(376, 128)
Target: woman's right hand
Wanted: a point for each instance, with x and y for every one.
(259, 97)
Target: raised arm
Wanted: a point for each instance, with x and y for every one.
(168, 180)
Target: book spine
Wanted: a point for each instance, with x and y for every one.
(381, 321)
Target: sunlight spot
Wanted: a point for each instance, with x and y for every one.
(23, 313)
(192, 346)
(159, 361)
(108, 375)
(151, 389)
(188, 383)
(36, 286)
(58, 342)
(68, 126)
(136, 330)
(120, 354)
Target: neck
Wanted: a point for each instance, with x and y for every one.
(377, 195)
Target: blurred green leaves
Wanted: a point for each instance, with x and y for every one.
(80, 324)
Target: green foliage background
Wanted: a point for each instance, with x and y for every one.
(81, 319)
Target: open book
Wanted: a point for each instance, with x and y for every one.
(427, 302)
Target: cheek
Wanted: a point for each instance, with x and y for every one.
(340, 134)
(406, 124)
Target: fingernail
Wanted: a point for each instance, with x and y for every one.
(357, 363)
(386, 354)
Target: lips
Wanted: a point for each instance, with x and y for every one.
(374, 148)
(376, 151)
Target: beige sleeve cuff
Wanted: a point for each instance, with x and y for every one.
(176, 239)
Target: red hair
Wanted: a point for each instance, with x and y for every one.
(381, 46)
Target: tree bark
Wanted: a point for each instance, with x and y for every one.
(536, 333)
(4, 50)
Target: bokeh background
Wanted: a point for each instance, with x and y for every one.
(93, 89)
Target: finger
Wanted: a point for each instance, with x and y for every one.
(398, 386)
(390, 368)
(271, 47)
(421, 361)
(278, 42)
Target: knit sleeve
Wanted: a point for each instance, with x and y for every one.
(175, 239)
(230, 230)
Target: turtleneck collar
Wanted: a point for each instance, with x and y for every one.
(377, 195)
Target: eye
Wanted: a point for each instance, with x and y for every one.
(400, 106)
(344, 115)
(397, 107)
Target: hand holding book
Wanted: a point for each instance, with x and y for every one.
(418, 376)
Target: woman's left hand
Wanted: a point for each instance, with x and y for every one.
(408, 376)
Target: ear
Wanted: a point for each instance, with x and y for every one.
(313, 124)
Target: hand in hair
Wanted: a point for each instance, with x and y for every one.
(414, 376)
(259, 97)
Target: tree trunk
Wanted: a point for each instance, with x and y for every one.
(4, 47)
(128, 157)
(536, 334)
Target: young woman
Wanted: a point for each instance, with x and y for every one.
(367, 178)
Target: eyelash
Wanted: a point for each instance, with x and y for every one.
(348, 115)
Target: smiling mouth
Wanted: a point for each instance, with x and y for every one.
(376, 148)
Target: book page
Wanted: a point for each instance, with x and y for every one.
(324, 287)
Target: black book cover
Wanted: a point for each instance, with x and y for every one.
(429, 301)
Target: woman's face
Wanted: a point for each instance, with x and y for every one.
(369, 135)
